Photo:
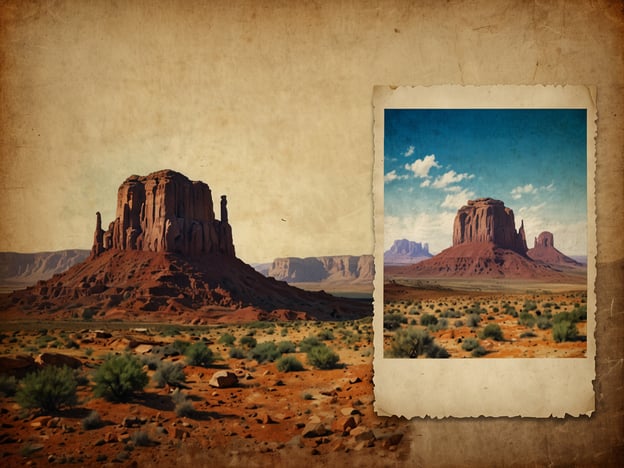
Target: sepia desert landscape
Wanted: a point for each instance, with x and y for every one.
(162, 348)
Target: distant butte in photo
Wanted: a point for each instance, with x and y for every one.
(405, 251)
(486, 244)
(544, 251)
(166, 257)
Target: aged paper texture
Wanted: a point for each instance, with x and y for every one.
(447, 144)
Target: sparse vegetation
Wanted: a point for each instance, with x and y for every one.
(564, 331)
(413, 342)
(169, 373)
(119, 377)
(198, 354)
(92, 421)
(227, 339)
(48, 389)
(8, 385)
(469, 344)
(266, 351)
(322, 357)
(493, 331)
(288, 364)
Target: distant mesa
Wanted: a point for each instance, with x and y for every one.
(337, 268)
(486, 244)
(404, 251)
(544, 251)
(166, 257)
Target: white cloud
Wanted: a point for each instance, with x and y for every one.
(425, 183)
(550, 187)
(452, 188)
(517, 192)
(454, 201)
(421, 167)
(409, 152)
(450, 177)
(390, 176)
(570, 238)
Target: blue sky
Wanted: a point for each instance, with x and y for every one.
(532, 159)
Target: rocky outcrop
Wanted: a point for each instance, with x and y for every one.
(544, 251)
(343, 268)
(165, 212)
(486, 220)
(404, 251)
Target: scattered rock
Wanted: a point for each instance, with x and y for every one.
(362, 433)
(58, 360)
(349, 411)
(344, 424)
(315, 430)
(17, 366)
(223, 379)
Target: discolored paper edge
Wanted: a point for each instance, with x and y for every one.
(441, 388)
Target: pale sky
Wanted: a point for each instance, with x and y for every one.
(263, 108)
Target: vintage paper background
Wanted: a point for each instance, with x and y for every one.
(475, 387)
(92, 91)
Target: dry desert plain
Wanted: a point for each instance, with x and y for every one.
(488, 318)
(270, 417)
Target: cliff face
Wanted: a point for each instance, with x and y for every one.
(317, 269)
(486, 220)
(404, 251)
(165, 212)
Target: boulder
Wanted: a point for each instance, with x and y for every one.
(223, 379)
(17, 366)
(315, 430)
(58, 360)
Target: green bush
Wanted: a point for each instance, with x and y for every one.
(48, 389)
(180, 346)
(543, 323)
(288, 364)
(451, 313)
(92, 421)
(198, 354)
(473, 320)
(119, 377)
(564, 331)
(237, 353)
(428, 319)
(248, 342)
(479, 351)
(286, 347)
(325, 335)
(169, 373)
(322, 357)
(413, 342)
(469, 344)
(526, 319)
(8, 385)
(492, 330)
(265, 352)
(393, 321)
(227, 339)
(183, 405)
(437, 352)
(308, 343)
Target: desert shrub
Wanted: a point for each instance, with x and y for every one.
(227, 339)
(394, 321)
(284, 331)
(286, 347)
(307, 396)
(526, 319)
(322, 357)
(451, 313)
(237, 353)
(428, 319)
(473, 320)
(325, 335)
(119, 377)
(169, 373)
(543, 323)
(288, 364)
(48, 389)
(478, 351)
(459, 323)
(180, 346)
(152, 362)
(183, 405)
(265, 352)
(198, 354)
(261, 324)
(529, 305)
(248, 342)
(492, 330)
(170, 330)
(528, 334)
(564, 331)
(579, 313)
(442, 324)
(8, 385)
(437, 352)
(308, 343)
(510, 310)
(141, 439)
(412, 342)
(469, 344)
(88, 352)
(92, 421)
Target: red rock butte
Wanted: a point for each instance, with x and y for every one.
(165, 212)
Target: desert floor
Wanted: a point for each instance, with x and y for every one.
(456, 311)
(268, 418)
